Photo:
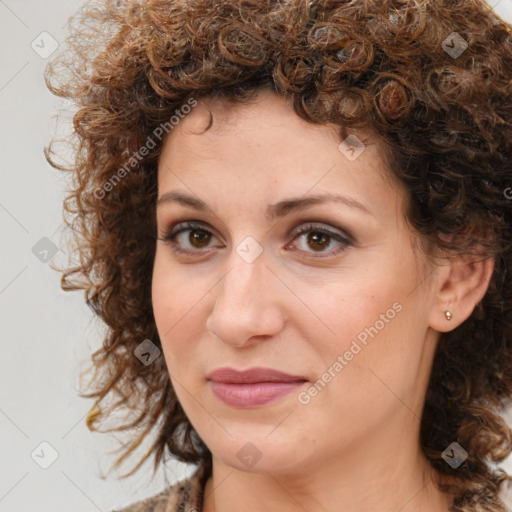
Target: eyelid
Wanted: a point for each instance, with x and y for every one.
(177, 228)
(336, 234)
(321, 226)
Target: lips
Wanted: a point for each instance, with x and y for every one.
(251, 376)
(252, 388)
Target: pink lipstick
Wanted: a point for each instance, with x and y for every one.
(252, 388)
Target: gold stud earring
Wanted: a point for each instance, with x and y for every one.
(448, 315)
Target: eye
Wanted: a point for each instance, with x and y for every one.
(198, 237)
(319, 239)
(190, 237)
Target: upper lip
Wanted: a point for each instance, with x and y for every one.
(252, 375)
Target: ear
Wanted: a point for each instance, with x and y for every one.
(462, 284)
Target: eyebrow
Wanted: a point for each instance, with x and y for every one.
(273, 211)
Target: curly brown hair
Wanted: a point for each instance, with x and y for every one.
(432, 79)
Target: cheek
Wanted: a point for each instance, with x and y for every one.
(173, 291)
(163, 293)
(172, 298)
(372, 351)
(368, 315)
(180, 297)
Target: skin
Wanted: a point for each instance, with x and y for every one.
(354, 447)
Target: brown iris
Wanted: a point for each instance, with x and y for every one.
(199, 236)
(318, 239)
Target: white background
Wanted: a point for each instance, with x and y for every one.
(47, 335)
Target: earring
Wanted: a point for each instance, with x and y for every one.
(448, 315)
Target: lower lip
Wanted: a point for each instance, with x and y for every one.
(252, 395)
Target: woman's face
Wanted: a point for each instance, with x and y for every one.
(343, 307)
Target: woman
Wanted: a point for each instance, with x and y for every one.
(297, 222)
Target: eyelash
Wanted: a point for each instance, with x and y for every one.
(173, 232)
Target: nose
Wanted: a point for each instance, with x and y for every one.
(248, 303)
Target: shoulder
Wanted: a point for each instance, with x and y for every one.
(185, 495)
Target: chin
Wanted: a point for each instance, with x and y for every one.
(257, 453)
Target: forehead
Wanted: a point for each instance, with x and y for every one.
(221, 130)
(265, 145)
(260, 120)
